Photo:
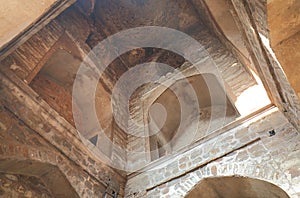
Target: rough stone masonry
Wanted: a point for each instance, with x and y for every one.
(252, 44)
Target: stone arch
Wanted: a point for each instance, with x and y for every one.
(50, 175)
(255, 169)
(169, 100)
(231, 187)
(26, 160)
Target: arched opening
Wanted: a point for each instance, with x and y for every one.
(166, 113)
(30, 177)
(235, 187)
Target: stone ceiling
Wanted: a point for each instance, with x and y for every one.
(52, 71)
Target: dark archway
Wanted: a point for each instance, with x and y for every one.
(235, 187)
(49, 175)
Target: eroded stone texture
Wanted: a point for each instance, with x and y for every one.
(64, 42)
(256, 30)
(283, 20)
(235, 187)
(18, 17)
(268, 158)
(40, 141)
(22, 186)
(21, 142)
(233, 76)
(25, 58)
(288, 54)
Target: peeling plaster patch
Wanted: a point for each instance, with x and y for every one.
(15, 67)
(2, 126)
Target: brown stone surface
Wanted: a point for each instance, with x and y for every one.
(288, 55)
(41, 144)
(22, 186)
(253, 20)
(16, 16)
(283, 20)
(230, 187)
(24, 143)
(268, 159)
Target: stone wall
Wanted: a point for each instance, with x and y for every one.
(284, 34)
(28, 62)
(252, 17)
(247, 150)
(22, 186)
(67, 34)
(230, 72)
(21, 143)
(19, 18)
(64, 33)
(36, 133)
(39, 133)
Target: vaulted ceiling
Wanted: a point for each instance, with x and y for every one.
(51, 70)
